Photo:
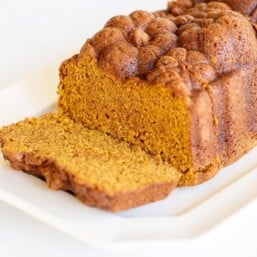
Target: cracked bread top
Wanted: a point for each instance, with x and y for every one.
(191, 49)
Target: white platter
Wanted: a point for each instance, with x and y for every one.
(188, 216)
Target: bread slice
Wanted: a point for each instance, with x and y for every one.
(180, 87)
(98, 169)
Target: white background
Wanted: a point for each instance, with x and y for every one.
(39, 33)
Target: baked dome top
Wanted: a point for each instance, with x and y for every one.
(208, 39)
(246, 7)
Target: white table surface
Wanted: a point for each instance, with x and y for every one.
(39, 33)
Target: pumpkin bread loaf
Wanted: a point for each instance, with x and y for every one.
(98, 169)
(149, 92)
(182, 87)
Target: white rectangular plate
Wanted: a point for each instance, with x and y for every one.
(185, 217)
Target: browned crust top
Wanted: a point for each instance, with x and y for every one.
(246, 7)
(170, 47)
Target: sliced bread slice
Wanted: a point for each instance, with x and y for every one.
(98, 169)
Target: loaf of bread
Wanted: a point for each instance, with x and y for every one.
(152, 101)
(179, 86)
(98, 169)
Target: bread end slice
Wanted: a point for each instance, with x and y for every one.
(97, 169)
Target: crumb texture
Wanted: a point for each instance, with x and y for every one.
(87, 162)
